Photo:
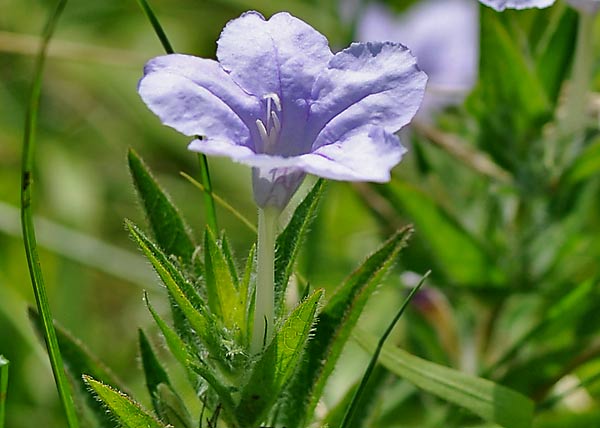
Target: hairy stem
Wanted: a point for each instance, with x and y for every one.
(264, 306)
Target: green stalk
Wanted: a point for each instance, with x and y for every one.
(4, 365)
(264, 306)
(209, 202)
(29, 239)
(347, 421)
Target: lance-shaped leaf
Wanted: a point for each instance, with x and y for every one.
(222, 292)
(175, 344)
(80, 361)
(168, 227)
(332, 330)
(171, 408)
(277, 363)
(125, 410)
(289, 242)
(186, 298)
(166, 402)
(490, 401)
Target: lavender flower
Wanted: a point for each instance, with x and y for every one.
(280, 101)
(500, 5)
(442, 34)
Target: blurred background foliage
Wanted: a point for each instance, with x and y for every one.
(502, 185)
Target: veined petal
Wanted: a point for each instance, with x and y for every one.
(192, 109)
(282, 55)
(209, 75)
(366, 154)
(500, 5)
(368, 83)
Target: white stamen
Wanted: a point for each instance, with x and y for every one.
(276, 122)
(264, 136)
(275, 98)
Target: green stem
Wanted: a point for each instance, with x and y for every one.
(4, 364)
(264, 306)
(29, 239)
(209, 202)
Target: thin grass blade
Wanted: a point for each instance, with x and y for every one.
(209, 202)
(347, 421)
(29, 239)
(4, 366)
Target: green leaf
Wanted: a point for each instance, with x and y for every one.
(462, 258)
(554, 61)
(586, 165)
(188, 301)
(509, 100)
(277, 364)
(175, 344)
(80, 361)
(4, 366)
(167, 403)
(332, 330)
(289, 242)
(247, 288)
(168, 227)
(222, 293)
(171, 408)
(126, 411)
(353, 413)
(490, 401)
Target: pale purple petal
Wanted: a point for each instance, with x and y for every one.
(191, 109)
(367, 83)
(367, 154)
(500, 5)
(282, 55)
(196, 97)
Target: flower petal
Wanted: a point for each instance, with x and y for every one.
(367, 83)
(585, 6)
(283, 55)
(183, 105)
(500, 5)
(366, 154)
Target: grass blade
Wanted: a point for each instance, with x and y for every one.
(79, 361)
(29, 239)
(4, 365)
(346, 422)
(209, 201)
(490, 401)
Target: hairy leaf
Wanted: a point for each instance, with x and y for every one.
(290, 240)
(168, 227)
(332, 330)
(127, 412)
(277, 363)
